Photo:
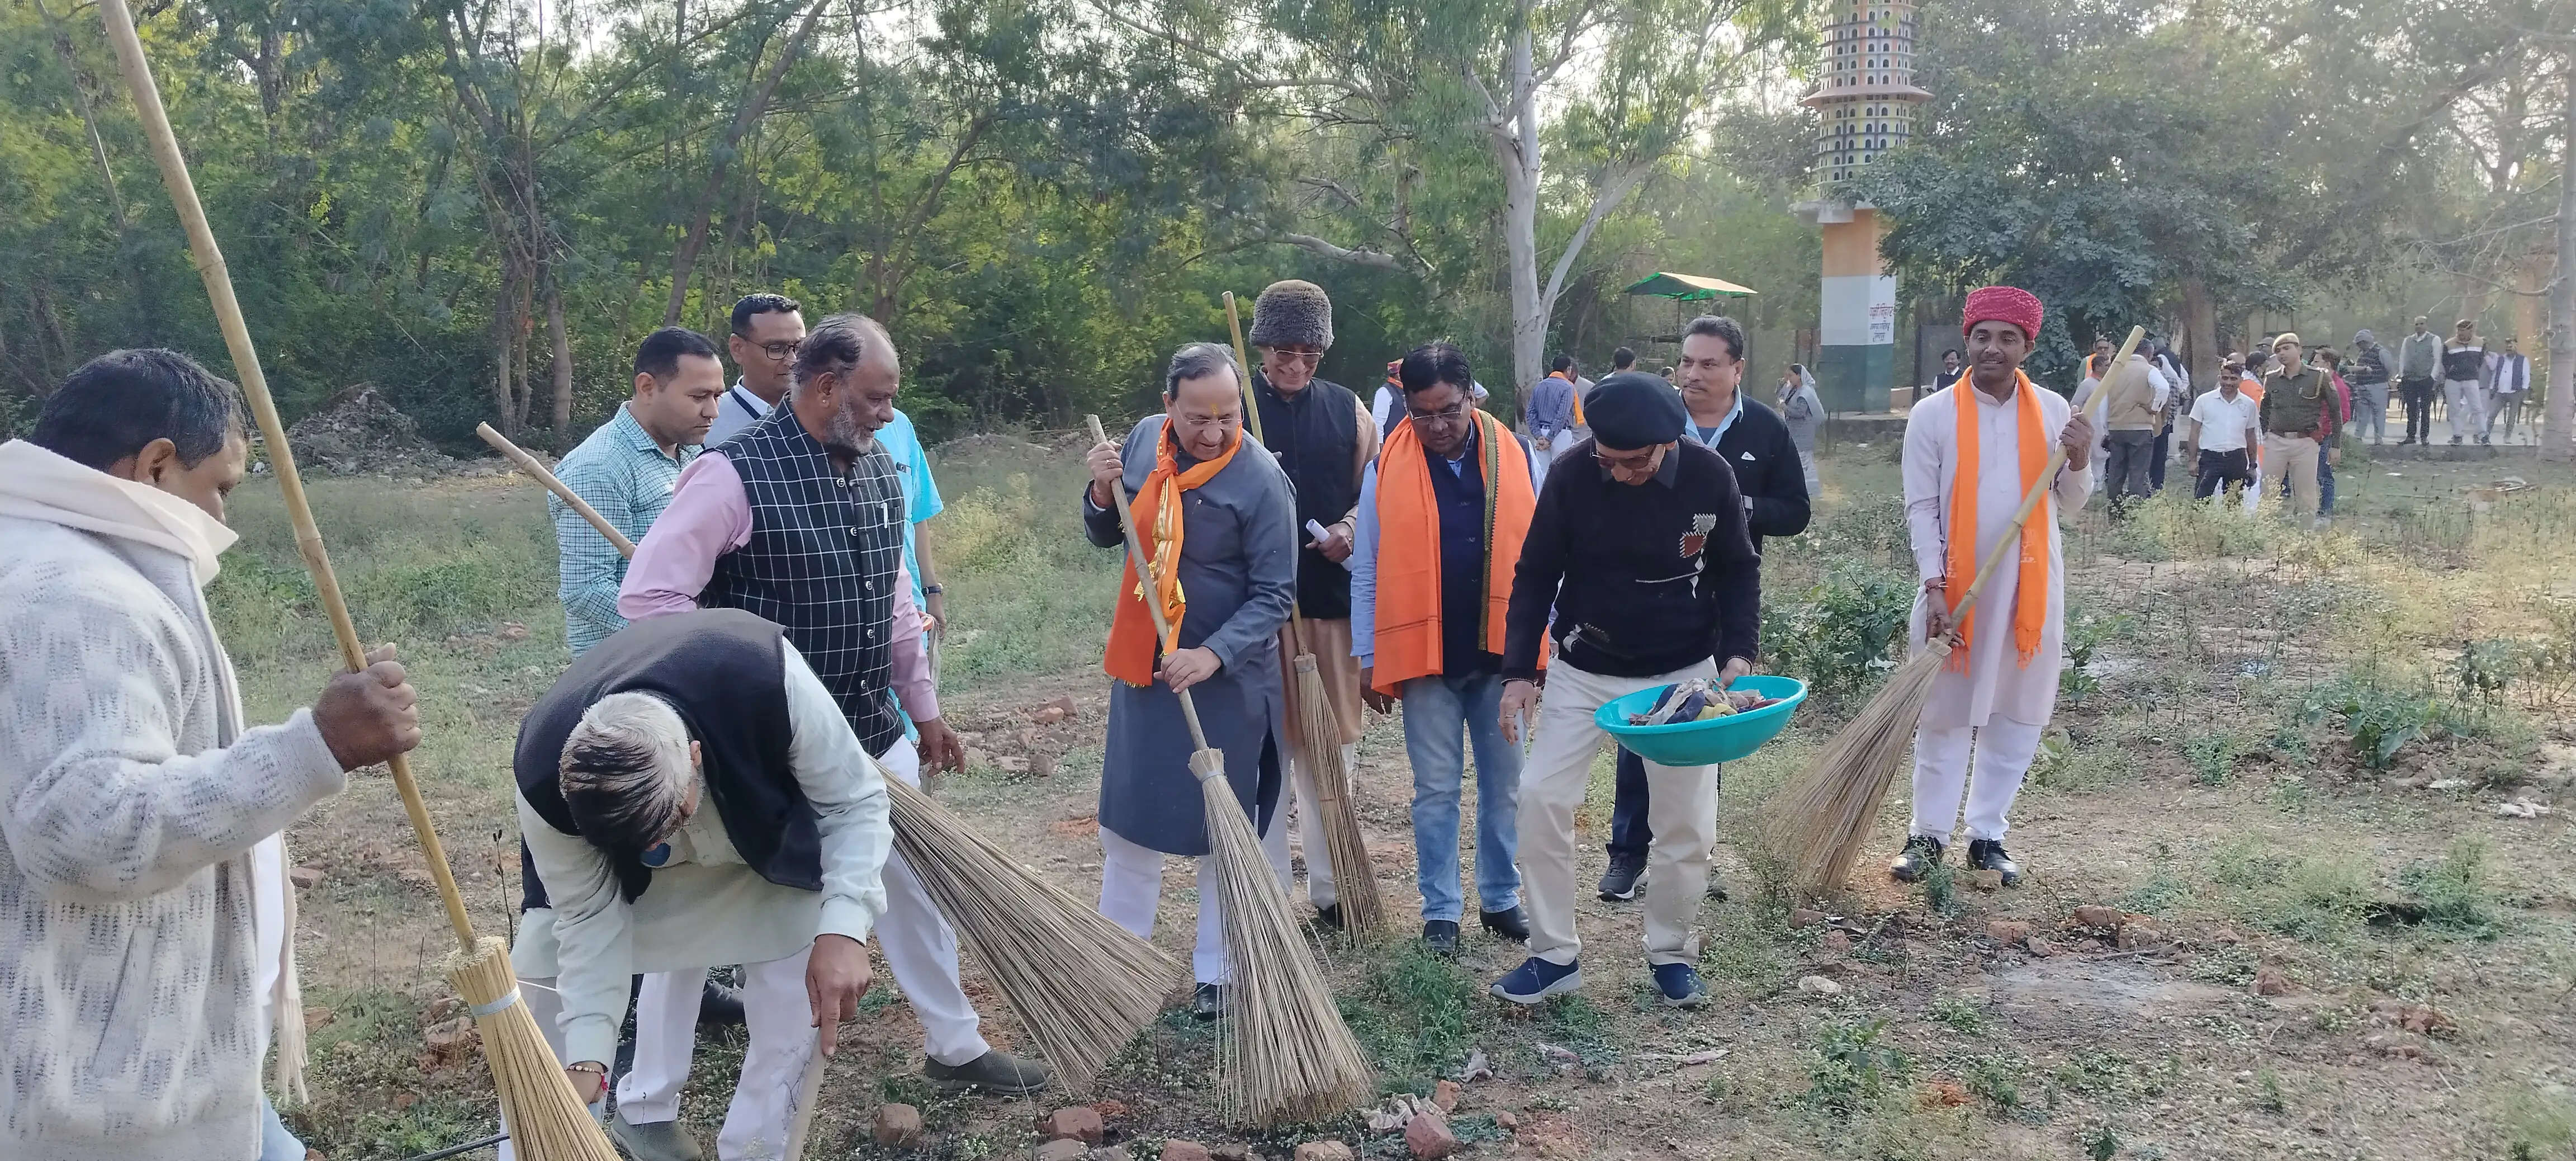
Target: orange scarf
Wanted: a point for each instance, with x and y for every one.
(1408, 558)
(1159, 525)
(2030, 591)
(1578, 394)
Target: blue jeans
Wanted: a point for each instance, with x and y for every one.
(275, 1142)
(1437, 710)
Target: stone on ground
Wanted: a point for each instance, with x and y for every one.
(1074, 1123)
(1323, 1151)
(898, 1126)
(1428, 1136)
(1186, 1151)
(1066, 1149)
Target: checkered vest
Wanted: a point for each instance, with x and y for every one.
(821, 563)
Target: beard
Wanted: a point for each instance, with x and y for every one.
(843, 436)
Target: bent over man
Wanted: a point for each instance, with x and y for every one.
(1972, 451)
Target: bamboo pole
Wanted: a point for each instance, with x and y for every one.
(528, 464)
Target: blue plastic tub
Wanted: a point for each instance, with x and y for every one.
(1703, 743)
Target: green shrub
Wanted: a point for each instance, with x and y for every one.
(1852, 1068)
(2213, 755)
(1842, 634)
(2380, 721)
(2454, 891)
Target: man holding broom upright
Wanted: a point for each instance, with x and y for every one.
(147, 949)
(799, 519)
(1442, 516)
(1323, 439)
(1639, 565)
(1972, 451)
(1217, 516)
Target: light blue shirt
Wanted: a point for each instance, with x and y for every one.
(622, 473)
(920, 492)
(1708, 437)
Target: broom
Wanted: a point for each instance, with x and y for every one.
(1319, 733)
(549, 1121)
(1285, 1053)
(1819, 821)
(1082, 985)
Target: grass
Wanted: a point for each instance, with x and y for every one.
(1418, 1015)
(1852, 1065)
(2454, 892)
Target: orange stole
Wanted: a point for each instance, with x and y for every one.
(1408, 559)
(2030, 590)
(1157, 513)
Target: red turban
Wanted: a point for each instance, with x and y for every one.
(2009, 304)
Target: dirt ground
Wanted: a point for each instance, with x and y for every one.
(2282, 952)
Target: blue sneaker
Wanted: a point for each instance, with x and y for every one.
(1677, 986)
(1536, 979)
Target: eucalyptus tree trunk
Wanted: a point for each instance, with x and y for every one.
(1515, 145)
(2558, 431)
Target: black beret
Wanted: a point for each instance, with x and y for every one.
(1632, 409)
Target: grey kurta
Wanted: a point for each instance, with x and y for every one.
(1239, 572)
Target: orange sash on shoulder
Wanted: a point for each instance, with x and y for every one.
(1408, 556)
(1159, 525)
(2030, 590)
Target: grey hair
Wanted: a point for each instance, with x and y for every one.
(837, 343)
(1195, 361)
(626, 772)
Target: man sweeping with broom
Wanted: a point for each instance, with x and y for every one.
(1215, 515)
(1972, 451)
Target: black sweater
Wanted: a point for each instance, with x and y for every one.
(1642, 579)
(1764, 459)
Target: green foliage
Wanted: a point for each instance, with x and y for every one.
(1842, 634)
(2485, 668)
(2320, 899)
(2095, 1073)
(2268, 1094)
(2101, 1144)
(1418, 1015)
(2453, 891)
(2379, 720)
(2085, 635)
(1852, 1067)
(2213, 754)
(1941, 889)
(1995, 1080)
(1964, 1016)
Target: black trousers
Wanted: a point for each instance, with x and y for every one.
(2218, 468)
(2417, 394)
(2156, 461)
(1629, 835)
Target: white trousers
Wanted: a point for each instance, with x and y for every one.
(1131, 892)
(2467, 410)
(1681, 807)
(2004, 749)
(1310, 831)
(781, 1022)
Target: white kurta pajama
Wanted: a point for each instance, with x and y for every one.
(2009, 700)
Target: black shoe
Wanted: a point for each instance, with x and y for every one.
(1510, 923)
(1441, 936)
(1922, 853)
(1329, 915)
(995, 1072)
(1988, 855)
(1207, 1001)
(1624, 879)
(720, 1006)
(1716, 886)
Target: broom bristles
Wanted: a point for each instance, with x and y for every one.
(546, 1120)
(1284, 1054)
(1819, 821)
(1319, 734)
(1082, 985)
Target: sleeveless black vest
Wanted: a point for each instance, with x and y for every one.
(722, 670)
(821, 563)
(1316, 437)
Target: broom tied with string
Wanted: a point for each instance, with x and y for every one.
(1283, 1052)
(1082, 985)
(547, 1119)
(1818, 822)
(1319, 730)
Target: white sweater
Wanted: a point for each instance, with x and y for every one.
(131, 797)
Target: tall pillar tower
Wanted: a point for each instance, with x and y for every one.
(1866, 108)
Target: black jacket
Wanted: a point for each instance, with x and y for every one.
(1764, 459)
(1643, 579)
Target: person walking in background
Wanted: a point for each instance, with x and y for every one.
(1225, 572)
(1804, 412)
(2130, 415)
(2299, 420)
(1443, 513)
(1622, 359)
(1762, 456)
(1314, 429)
(2219, 436)
(1548, 420)
(147, 928)
(2419, 365)
(2177, 395)
(1971, 454)
(2250, 381)
(2367, 372)
(766, 329)
(2331, 361)
(1387, 406)
(2508, 384)
(2464, 369)
(1640, 568)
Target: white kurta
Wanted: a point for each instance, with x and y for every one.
(1995, 682)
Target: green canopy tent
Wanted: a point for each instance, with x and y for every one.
(1682, 288)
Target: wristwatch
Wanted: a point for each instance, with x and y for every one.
(932, 590)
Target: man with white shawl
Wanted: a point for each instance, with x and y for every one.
(1972, 451)
(147, 930)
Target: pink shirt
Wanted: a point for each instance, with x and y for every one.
(710, 516)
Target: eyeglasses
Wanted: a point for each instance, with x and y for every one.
(1286, 355)
(777, 352)
(1643, 461)
(1450, 414)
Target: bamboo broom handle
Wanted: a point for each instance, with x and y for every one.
(308, 537)
(2047, 478)
(528, 463)
(1145, 572)
(1243, 370)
